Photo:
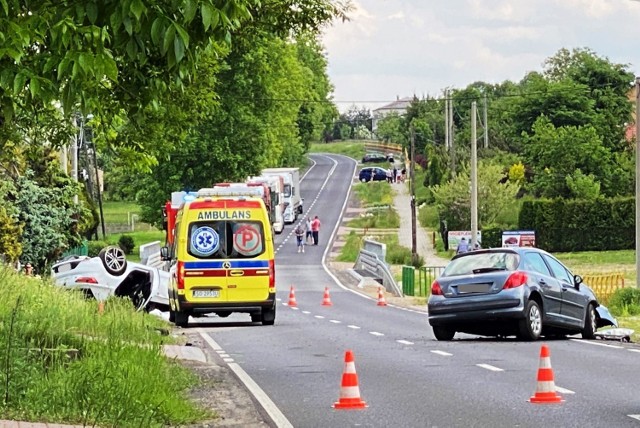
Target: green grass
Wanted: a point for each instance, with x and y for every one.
(352, 148)
(385, 218)
(119, 211)
(396, 253)
(64, 362)
(374, 194)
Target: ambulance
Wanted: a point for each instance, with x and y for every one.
(222, 259)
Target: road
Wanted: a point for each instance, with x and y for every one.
(407, 378)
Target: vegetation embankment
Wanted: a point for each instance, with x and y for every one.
(64, 361)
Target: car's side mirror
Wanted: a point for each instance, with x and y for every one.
(164, 253)
(577, 280)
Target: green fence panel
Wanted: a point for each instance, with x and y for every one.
(408, 280)
(82, 250)
(426, 276)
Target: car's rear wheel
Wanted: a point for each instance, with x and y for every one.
(530, 327)
(590, 323)
(269, 316)
(443, 333)
(181, 319)
(113, 259)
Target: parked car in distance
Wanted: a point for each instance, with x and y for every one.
(110, 274)
(373, 173)
(520, 291)
(375, 157)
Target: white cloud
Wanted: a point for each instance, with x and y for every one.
(401, 47)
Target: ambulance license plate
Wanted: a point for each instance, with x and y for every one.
(206, 293)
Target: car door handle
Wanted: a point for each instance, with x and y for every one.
(542, 282)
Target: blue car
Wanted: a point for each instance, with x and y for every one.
(520, 291)
(373, 173)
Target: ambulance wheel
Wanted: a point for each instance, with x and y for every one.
(172, 316)
(113, 260)
(269, 316)
(256, 317)
(181, 319)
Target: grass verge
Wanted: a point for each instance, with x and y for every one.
(64, 362)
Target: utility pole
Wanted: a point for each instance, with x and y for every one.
(452, 151)
(637, 177)
(446, 119)
(474, 177)
(412, 185)
(74, 155)
(485, 124)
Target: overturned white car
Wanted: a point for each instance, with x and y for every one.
(110, 274)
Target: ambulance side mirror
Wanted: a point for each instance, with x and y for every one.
(164, 253)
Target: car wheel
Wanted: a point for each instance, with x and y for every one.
(269, 316)
(223, 314)
(530, 327)
(443, 333)
(181, 319)
(113, 259)
(590, 323)
(172, 316)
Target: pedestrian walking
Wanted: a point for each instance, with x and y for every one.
(395, 174)
(309, 234)
(300, 237)
(315, 229)
(389, 172)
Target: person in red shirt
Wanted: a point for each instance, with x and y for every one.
(315, 229)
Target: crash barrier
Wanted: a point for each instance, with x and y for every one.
(383, 147)
(604, 285)
(82, 250)
(150, 255)
(368, 262)
(378, 248)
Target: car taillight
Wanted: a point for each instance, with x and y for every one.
(87, 280)
(435, 289)
(272, 273)
(516, 279)
(180, 275)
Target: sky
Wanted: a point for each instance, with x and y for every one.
(400, 48)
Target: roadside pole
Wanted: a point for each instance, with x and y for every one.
(474, 176)
(412, 185)
(637, 177)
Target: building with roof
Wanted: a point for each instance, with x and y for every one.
(399, 107)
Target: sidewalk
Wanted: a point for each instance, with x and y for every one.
(424, 244)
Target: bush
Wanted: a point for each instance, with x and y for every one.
(126, 243)
(94, 247)
(625, 302)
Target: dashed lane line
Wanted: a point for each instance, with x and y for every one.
(376, 333)
(404, 342)
(490, 367)
(443, 353)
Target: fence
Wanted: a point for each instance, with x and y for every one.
(421, 287)
(604, 285)
(82, 250)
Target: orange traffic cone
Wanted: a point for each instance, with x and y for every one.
(326, 300)
(381, 300)
(349, 390)
(546, 388)
(292, 298)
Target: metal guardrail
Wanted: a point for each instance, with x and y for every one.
(369, 262)
(150, 255)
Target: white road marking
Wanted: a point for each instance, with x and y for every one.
(306, 312)
(279, 419)
(590, 342)
(355, 327)
(228, 360)
(335, 321)
(490, 367)
(564, 390)
(320, 317)
(634, 417)
(633, 350)
(375, 333)
(404, 342)
(444, 354)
